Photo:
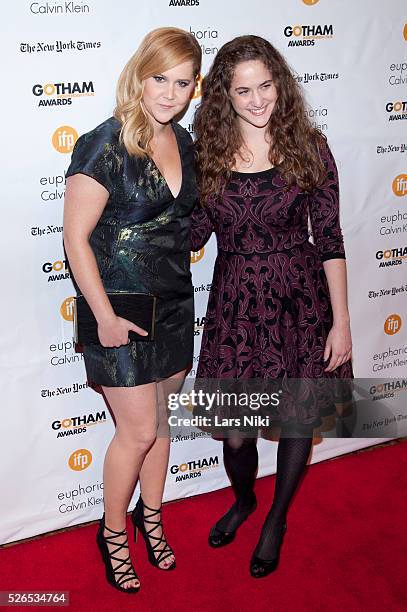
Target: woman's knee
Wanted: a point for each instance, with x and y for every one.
(235, 443)
(139, 439)
(232, 444)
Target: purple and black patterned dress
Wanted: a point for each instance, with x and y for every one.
(269, 310)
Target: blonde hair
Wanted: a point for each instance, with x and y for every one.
(161, 50)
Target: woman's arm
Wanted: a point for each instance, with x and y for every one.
(327, 233)
(85, 200)
(338, 346)
(201, 228)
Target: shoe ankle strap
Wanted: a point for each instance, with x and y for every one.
(150, 509)
(116, 533)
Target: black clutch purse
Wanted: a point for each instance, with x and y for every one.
(139, 308)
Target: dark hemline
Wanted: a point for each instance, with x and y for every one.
(148, 380)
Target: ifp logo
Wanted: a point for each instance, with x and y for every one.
(80, 460)
(399, 185)
(310, 2)
(198, 87)
(197, 255)
(67, 308)
(392, 324)
(64, 138)
(405, 32)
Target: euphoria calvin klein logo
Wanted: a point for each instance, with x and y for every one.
(58, 8)
(399, 68)
(317, 118)
(205, 38)
(54, 187)
(64, 138)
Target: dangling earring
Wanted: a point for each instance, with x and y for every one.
(198, 86)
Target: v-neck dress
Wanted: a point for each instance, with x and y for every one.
(141, 243)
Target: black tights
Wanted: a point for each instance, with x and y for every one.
(241, 461)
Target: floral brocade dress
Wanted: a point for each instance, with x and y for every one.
(141, 244)
(269, 310)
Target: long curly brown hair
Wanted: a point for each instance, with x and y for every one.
(293, 140)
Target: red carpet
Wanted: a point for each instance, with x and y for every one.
(345, 549)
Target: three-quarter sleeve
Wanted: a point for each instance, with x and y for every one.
(201, 227)
(324, 211)
(94, 156)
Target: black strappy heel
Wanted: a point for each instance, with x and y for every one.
(125, 575)
(155, 554)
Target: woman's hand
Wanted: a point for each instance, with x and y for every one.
(114, 331)
(338, 346)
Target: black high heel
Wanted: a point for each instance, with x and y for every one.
(156, 555)
(259, 568)
(218, 538)
(125, 574)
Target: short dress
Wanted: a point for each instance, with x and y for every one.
(269, 311)
(141, 244)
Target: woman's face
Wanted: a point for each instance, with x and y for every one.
(166, 94)
(253, 93)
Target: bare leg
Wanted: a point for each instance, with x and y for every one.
(154, 468)
(135, 412)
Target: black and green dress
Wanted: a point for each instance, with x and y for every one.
(141, 243)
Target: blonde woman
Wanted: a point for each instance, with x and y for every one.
(130, 191)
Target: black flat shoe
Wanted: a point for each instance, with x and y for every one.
(124, 571)
(218, 538)
(259, 568)
(156, 553)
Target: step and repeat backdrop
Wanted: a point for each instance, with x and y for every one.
(62, 61)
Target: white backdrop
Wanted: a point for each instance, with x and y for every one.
(63, 60)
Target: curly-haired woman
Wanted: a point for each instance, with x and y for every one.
(278, 304)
